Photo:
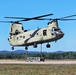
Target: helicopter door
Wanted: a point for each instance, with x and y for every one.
(45, 35)
(44, 32)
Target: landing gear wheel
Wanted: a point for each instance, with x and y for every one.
(12, 48)
(26, 48)
(35, 45)
(48, 45)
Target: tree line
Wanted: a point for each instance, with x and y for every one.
(60, 56)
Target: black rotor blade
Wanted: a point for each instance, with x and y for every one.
(42, 16)
(26, 19)
(42, 19)
(66, 19)
(34, 18)
(53, 19)
(16, 17)
(68, 16)
(7, 21)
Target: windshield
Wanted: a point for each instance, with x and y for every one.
(56, 29)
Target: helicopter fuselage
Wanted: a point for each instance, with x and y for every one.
(38, 36)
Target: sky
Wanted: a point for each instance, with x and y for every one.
(32, 8)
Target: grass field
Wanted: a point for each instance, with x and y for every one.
(31, 69)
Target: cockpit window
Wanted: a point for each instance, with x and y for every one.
(56, 29)
(22, 28)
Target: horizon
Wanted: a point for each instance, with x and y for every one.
(34, 51)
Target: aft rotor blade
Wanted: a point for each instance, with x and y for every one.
(42, 16)
(7, 21)
(34, 18)
(51, 19)
(30, 18)
(16, 17)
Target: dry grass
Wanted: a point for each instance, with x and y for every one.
(31, 69)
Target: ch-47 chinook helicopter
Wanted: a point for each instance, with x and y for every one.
(20, 37)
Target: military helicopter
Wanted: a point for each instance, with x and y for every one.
(20, 37)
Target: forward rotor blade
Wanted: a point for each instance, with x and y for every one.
(53, 19)
(68, 16)
(66, 19)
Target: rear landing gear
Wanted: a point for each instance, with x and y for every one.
(26, 48)
(12, 47)
(35, 45)
(48, 45)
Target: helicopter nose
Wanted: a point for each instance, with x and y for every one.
(60, 35)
